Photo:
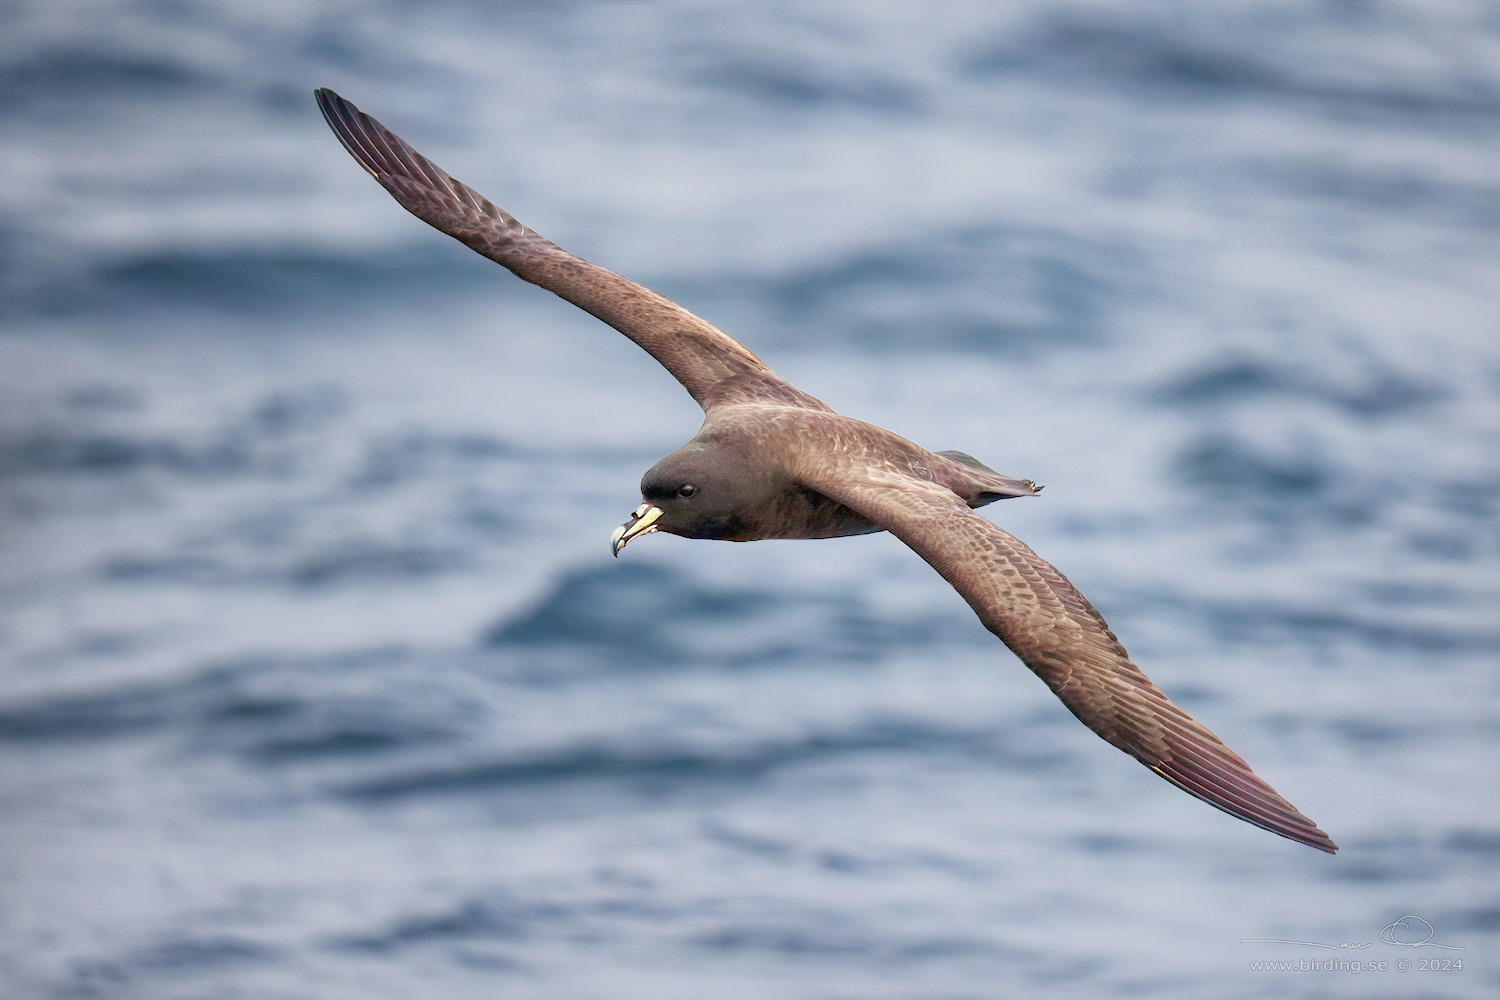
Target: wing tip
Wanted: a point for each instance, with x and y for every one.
(345, 121)
(419, 185)
(331, 104)
(1292, 824)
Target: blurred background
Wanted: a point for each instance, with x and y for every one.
(316, 676)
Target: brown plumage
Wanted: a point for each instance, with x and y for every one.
(773, 462)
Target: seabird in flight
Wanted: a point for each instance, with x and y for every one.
(770, 461)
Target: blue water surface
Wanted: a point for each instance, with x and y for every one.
(317, 679)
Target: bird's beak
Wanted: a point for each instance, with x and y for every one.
(1006, 486)
(642, 522)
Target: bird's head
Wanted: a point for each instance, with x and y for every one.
(702, 491)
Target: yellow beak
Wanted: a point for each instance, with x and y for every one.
(642, 522)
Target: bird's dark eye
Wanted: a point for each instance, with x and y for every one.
(686, 490)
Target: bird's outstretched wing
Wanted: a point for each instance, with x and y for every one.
(699, 355)
(1033, 608)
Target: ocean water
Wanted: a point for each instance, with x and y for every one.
(317, 679)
